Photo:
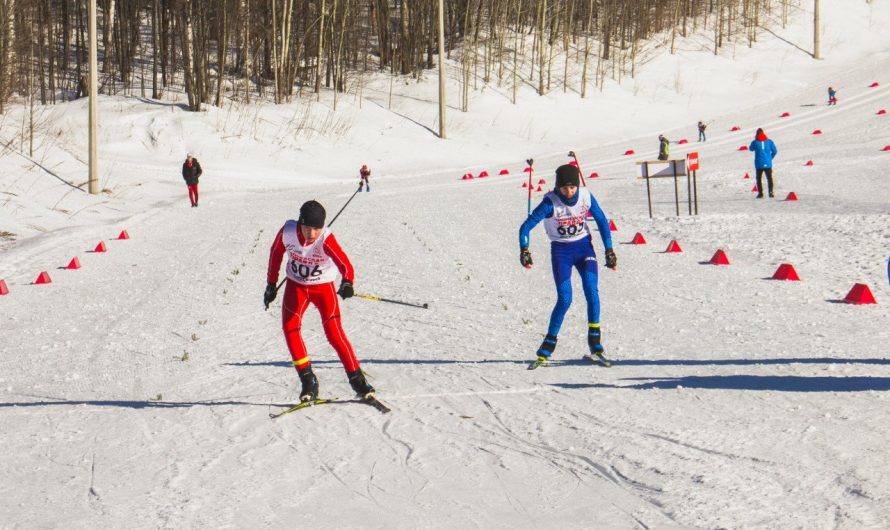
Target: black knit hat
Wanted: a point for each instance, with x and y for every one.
(312, 214)
(567, 175)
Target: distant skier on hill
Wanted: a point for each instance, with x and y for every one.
(564, 211)
(191, 172)
(314, 257)
(832, 96)
(364, 173)
(764, 151)
(701, 131)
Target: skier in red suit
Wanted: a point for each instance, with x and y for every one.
(314, 258)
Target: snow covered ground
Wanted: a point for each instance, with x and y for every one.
(135, 391)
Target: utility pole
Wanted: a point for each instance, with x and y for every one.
(442, 70)
(94, 88)
(816, 53)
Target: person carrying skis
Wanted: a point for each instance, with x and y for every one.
(764, 151)
(191, 172)
(832, 96)
(701, 131)
(314, 257)
(363, 174)
(564, 212)
(664, 147)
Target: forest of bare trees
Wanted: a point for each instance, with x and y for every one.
(280, 49)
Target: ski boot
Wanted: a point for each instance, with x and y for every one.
(597, 352)
(358, 383)
(310, 384)
(544, 352)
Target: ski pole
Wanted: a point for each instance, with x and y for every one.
(344, 207)
(578, 165)
(530, 162)
(378, 299)
(329, 225)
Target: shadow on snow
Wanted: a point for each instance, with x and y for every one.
(783, 383)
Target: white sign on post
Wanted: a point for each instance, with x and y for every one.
(662, 168)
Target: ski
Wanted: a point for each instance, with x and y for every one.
(599, 358)
(376, 403)
(540, 361)
(303, 405)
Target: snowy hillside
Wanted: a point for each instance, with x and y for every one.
(135, 391)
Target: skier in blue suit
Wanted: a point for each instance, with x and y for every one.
(764, 151)
(564, 213)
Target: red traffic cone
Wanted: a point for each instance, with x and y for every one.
(539, 189)
(464, 177)
(524, 184)
(673, 246)
(786, 272)
(719, 258)
(43, 278)
(747, 176)
(629, 152)
(785, 115)
(791, 196)
(817, 131)
(638, 239)
(743, 148)
(123, 235)
(809, 163)
(73, 264)
(735, 128)
(860, 294)
(874, 85)
(754, 188)
(542, 181)
(612, 227)
(683, 141)
(594, 175)
(3, 288)
(483, 175)
(504, 172)
(882, 112)
(100, 247)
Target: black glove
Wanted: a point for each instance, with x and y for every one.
(611, 259)
(346, 291)
(270, 294)
(525, 257)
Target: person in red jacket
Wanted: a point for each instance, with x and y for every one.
(313, 259)
(364, 174)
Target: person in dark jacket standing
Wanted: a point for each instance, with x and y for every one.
(701, 131)
(764, 151)
(191, 171)
(664, 147)
(832, 96)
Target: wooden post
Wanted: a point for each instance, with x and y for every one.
(676, 189)
(816, 53)
(94, 113)
(441, 70)
(648, 190)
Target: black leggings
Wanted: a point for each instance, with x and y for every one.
(769, 179)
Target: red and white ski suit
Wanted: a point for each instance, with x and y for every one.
(300, 291)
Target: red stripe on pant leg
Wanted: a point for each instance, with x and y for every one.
(324, 298)
(293, 306)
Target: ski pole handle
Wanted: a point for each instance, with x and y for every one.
(378, 299)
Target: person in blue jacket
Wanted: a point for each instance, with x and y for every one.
(764, 151)
(564, 212)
